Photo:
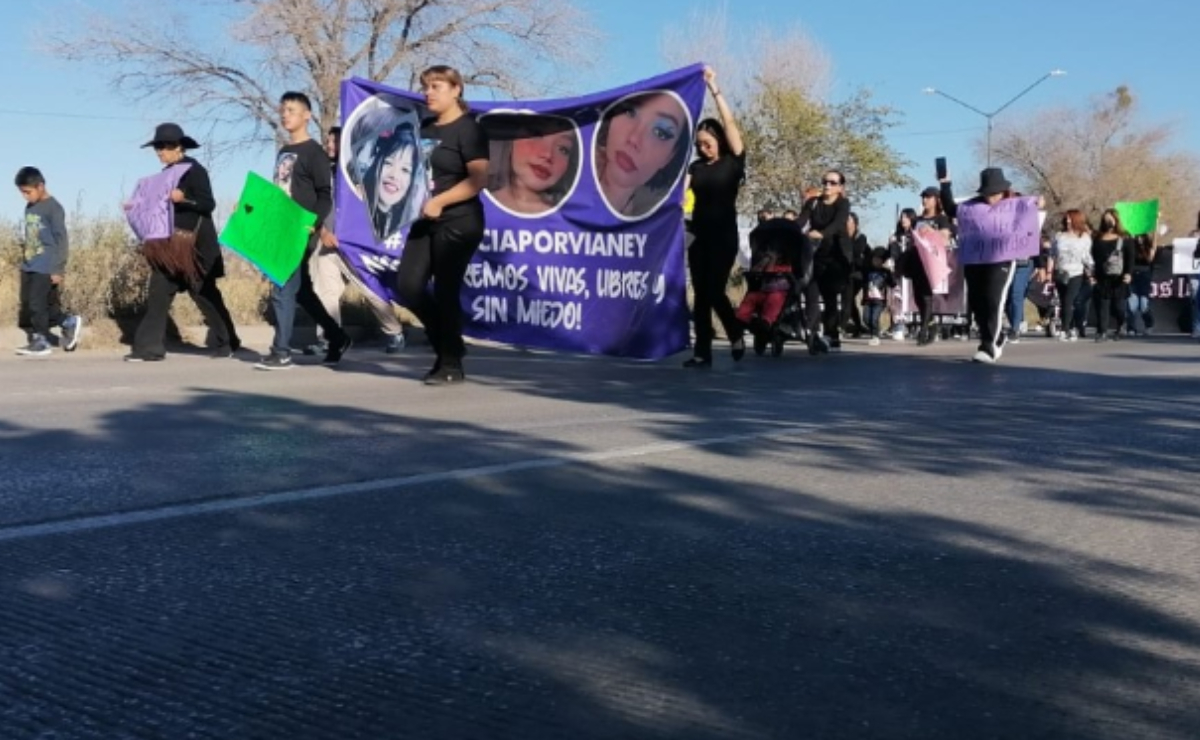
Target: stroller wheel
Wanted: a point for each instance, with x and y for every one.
(777, 346)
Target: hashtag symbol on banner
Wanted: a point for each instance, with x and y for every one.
(395, 241)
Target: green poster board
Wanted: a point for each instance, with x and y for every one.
(1138, 218)
(269, 229)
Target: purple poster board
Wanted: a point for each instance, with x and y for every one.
(583, 250)
(1008, 230)
(149, 210)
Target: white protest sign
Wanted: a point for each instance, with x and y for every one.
(1184, 261)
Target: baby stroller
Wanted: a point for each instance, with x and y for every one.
(1044, 296)
(779, 250)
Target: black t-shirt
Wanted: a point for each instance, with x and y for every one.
(716, 186)
(304, 172)
(458, 142)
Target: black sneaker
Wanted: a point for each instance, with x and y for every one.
(316, 348)
(445, 376)
(738, 348)
(143, 357)
(337, 348)
(222, 353)
(275, 361)
(696, 362)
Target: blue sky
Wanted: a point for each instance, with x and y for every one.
(86, 141)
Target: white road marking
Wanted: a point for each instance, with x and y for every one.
(91, 523)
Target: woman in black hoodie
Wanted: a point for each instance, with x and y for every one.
(825, 217)
(1113, 257)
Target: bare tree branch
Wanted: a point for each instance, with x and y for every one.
(523, 47)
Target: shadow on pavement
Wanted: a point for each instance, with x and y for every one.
(691, 595)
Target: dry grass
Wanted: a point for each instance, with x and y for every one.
(106, 283)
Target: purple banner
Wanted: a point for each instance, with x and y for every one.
(149, 210)
(1008, 230)
(583, 250)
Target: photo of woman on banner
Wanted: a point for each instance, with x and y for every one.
(385, 161)
(641, 148)
(534, 164)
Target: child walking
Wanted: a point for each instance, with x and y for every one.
(43, 265)
(878, 280)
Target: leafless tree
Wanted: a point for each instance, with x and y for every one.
(1091, 156)
(250, 51)
(778, 81)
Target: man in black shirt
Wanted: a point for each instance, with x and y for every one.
(303, 171)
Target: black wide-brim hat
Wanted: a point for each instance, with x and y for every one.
(171, 133)
(992, 181)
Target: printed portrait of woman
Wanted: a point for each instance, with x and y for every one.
(385, 161)
(534, 163)
(642, 146)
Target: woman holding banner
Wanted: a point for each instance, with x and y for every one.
(189, 261)
(442, 243)
(715, 178)
(931, 218)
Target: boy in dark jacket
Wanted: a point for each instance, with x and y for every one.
(43, 266)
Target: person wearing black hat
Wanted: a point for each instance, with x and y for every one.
(191, 265)
(987, 284)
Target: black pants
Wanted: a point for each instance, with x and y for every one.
(439, 250)
(710, 260)
(151, 332)
(821, 297)
(1111, 299)
(1068, 298)
(987, 292)
(922, 295)
(852, 317)
(40, 304)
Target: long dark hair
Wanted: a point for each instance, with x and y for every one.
(659, 184)
(911, 214)
(1118, 227)
(717, 130)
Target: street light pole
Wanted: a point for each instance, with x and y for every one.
(989, 116)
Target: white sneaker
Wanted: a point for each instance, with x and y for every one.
(72, 328)
(873, 342)
(983, 357)
(898, 335)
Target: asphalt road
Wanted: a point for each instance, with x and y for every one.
(886, 543)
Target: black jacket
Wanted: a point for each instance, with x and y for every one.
(834, 251)
(196, 210)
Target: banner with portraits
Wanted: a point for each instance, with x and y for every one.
(583, 249)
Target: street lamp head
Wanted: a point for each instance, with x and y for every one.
(1057, 72)
(929, 91)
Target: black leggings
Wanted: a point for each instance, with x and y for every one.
(1068, 296)
(439, 250)
(821, 297)
(1111, 299)
(922, 295)
(710, 260)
